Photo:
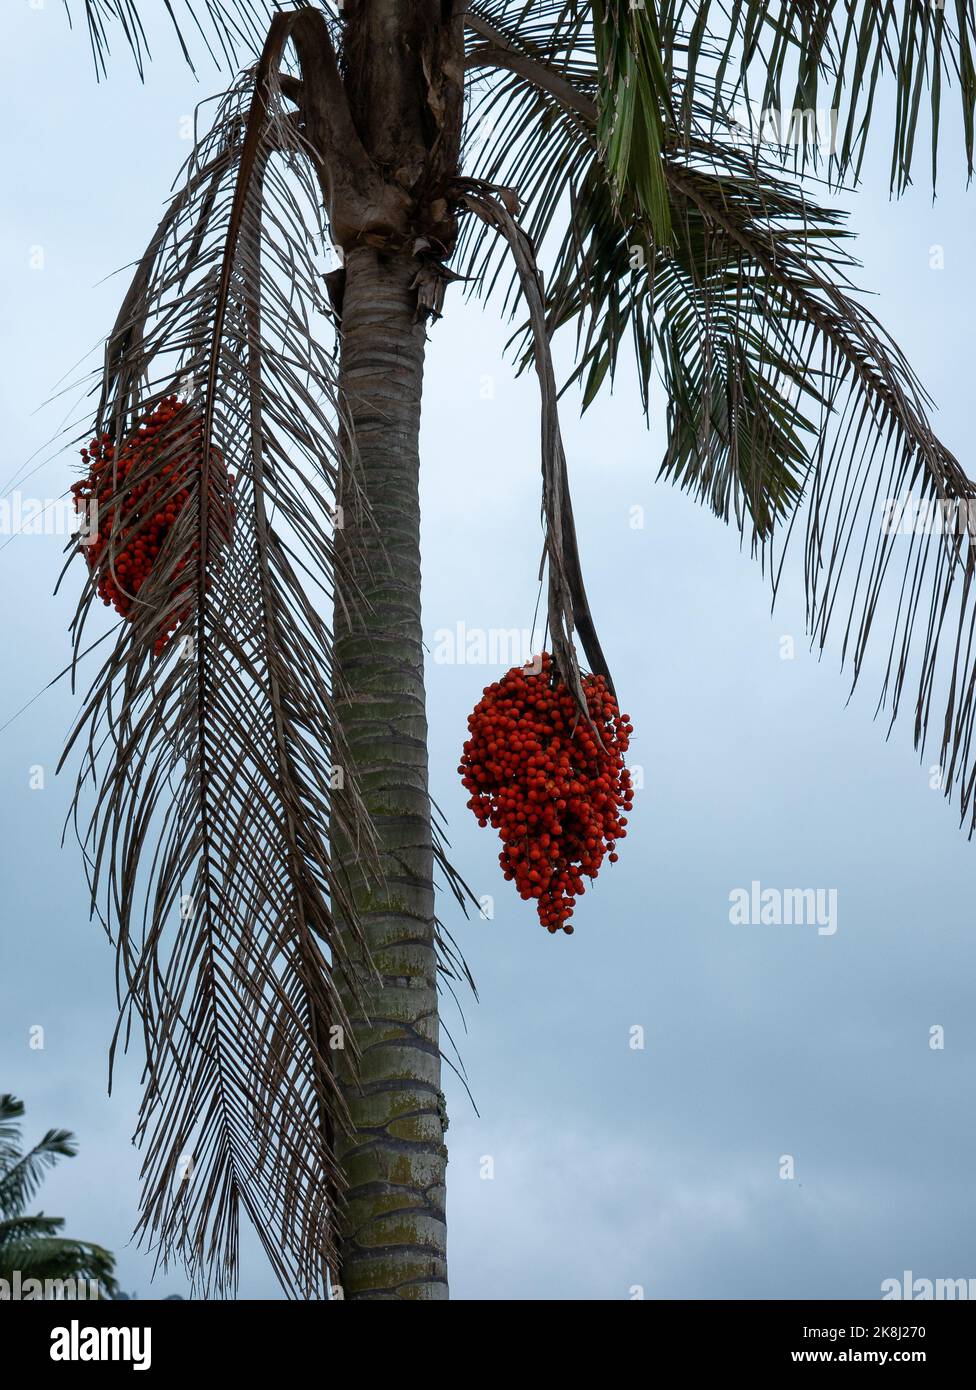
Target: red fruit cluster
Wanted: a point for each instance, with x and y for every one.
(540, 777)
(137, 495)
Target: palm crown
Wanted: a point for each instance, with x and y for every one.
(31, 1246)
(250, 885)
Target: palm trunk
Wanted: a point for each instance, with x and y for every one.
(393, 1238)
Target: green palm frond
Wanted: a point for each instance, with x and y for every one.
(21, 1179)
(718, 324)
(11, 1113)
(19, 1228)
(22, 1173)
(782, 387)
(523, 130)
(857, 60)
(635, 115)
(786, 397)
(726, 399)
(32, 1246)
(566, 69)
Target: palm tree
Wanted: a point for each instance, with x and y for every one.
(262, 840)
(32, 1245)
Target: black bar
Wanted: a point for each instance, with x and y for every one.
(274, 1337)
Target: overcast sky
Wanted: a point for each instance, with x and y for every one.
(615, 1167)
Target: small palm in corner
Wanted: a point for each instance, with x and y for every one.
(33, 1245)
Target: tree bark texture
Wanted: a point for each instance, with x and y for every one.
(393, 1224)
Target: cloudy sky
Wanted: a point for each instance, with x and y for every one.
(616, 1167)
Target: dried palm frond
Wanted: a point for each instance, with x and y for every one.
(227, 29)
(212, 766)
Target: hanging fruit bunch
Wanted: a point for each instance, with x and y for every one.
(555, 793)
(136, 498)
